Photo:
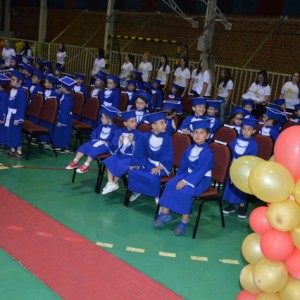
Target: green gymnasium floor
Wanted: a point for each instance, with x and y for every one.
(206, 268)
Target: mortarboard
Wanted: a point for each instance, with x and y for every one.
(216, 104)
(176, 86)
(131, 82)
(200, 123)
(146, 96)
(199, 101)
(128, 115)
(80, 76)
(297, 106)
(51, 79)
(38, 74)
(147, 86)
(153, 117)
(114, 78)
(110, 111)
(249, 122)
(155, 80)
(248, 102)
(67, 82)
(239, 110)
(100, 77)
(279, 101)
(4, 80)
(17, 74)
(170, 104)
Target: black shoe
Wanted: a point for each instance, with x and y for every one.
(242, 212)
(229, 209)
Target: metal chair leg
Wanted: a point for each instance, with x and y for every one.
(198, 219)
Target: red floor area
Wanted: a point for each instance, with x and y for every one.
(68, 263)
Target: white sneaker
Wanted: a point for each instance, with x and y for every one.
(156, 200)
(110, 187)
(134, 196)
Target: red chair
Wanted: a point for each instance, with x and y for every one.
(144, 127)
(123, 102)
(287, 124)
(187, 104)
(34, 109)
(265, 146)
(78, 102)
(225, 134)
(222, 159)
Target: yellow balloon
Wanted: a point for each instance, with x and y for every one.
(268, 296)
(284, 215)
(240, 170)
(291, 291)
(251, 248)
(246, 280)
(271, 182)
(270, 276)
(295, 234)
(296, 192)
(272, 158)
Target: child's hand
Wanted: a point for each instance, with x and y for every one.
(180, 185)
(130, 137)
(58, 124)
(156, 171)
(185, 131)
(16, 123)
(121, 139)
(134, 167)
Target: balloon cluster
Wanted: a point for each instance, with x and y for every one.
(273, 250)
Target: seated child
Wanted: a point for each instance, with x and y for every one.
(157, 92)
(151, 160)
(137, 76)
(28, 71)
(141, 104)
(192, 178)
(4, 80)
(281, 104)
(99, 142)
(249, 104)
(131, 92)
(199, 108)
(110, 96)
(48, 68)
(79, 86)
(122, 147)
(35, 88)
(50, 85)
(213, 107)
(147, 88)
(173, 95)
(242, 145)
(170, 109)
(296, 118)
(236, 116)
(98, 86)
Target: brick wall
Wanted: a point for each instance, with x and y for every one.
(271, 44)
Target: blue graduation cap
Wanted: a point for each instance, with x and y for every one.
(297, 107)
(131, 82)
(110, 111)
(80, 76)
(17, 74)
(239, 110)
(19, 57)
(30, 58)
(114, 78)
(48, 64)
(29, 68)
(58, 68)
(102, 72)
(51, 79)
(69, 75)
(4, 80)
(169, 104)
(2, 61)
(147, 86)
(248, 102)
(138, 73)
(153, 117)
(67, 82)
(216, 104)
(279, 101)
(40, 62)
(100, 77)
(199, 101)
(155, 80)
(128, 115)
(199, 124)
(176, 86)
(14, 58)
(274, 106)
(275, 114)
(249, 122)
(38, 74)
(146, 96)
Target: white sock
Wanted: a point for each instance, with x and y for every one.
(75, 160)
(86, 164)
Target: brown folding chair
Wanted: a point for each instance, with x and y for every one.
(187, 104)
(265, 146)
(78, 101)
(144, 127)
(287, 124)
(90, 112)
(222, 159)
(34, 109)
(123, 102)
(48, 115)
(225, 134)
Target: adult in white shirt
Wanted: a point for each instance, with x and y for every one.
(260, 92)
(182, 76)
(163, 73)
(7, 53)
(61, 55)
(26, 52)
(290, 92)
(146, 67)
(126, 70)
(99, 63)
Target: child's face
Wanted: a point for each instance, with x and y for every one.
(79, 81)
(247, 131)
(159, 126)
(155, 85)
(13, 63)
(27, 74)
(15, 82)
(248, 107)
(48, 84)
(63, 90)
(131, 87)
(267, 121)
(140, 104)
(237, 120)
(35, 79)
(57, 73)
(200, 135)
(131, 123)
(99, 83)
(105, 119)
(174, 90)
(199, 110)
(111, 84)
(37, 66)
(298, 113)
(211, 111)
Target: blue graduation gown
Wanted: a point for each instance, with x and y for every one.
(34, 89)
(3, 111)
(51, 93)
(172, 97)
(131, 98)
(239, 147)
(139, 114)
(120, 161)
(189, 119)
(215, 123)
(159, 98)
(271, 131)
(94, 146)
(16, 112)
(151, 150)
(171, 127)
(62, 135)
(196, 165)
(81, 89)
(27, 83)
(110, 97)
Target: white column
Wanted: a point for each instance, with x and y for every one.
(110, 19)
(43, 20)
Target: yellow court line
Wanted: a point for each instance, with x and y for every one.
(229, 261)
(132, 249)
(105, 245)
(167, 254)
(200, 258)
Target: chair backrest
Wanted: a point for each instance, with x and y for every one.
(123, 102)
(225, 134)
(259, 126)
(287, 124)
(144, 127)
(176, 121)
(35, 106)
(78, 101)
(265, 146)
(180, 143)
(49, 111)
(187, 104)
(119, 122)
(222, 159)
(90, 110)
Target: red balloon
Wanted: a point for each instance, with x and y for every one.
(244, 295)
(287, 150)
(292, 264)
(258, 220)
(276, 245)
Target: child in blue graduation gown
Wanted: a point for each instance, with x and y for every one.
(199, 108)
(213, 107)
(123, 145)
(111, 95)
(296, 117)
(4, 80)
(170, 108)
(79, 86)
(173, 95)
(15, 115)
(131, 92)
(50, 85)
(141, 104)
(152, 159)
(35, 87)
(249, 104)
(236, 116)
(157, 92)
(241, 146)
(63, 128)
(192, 178)
(100, 142)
